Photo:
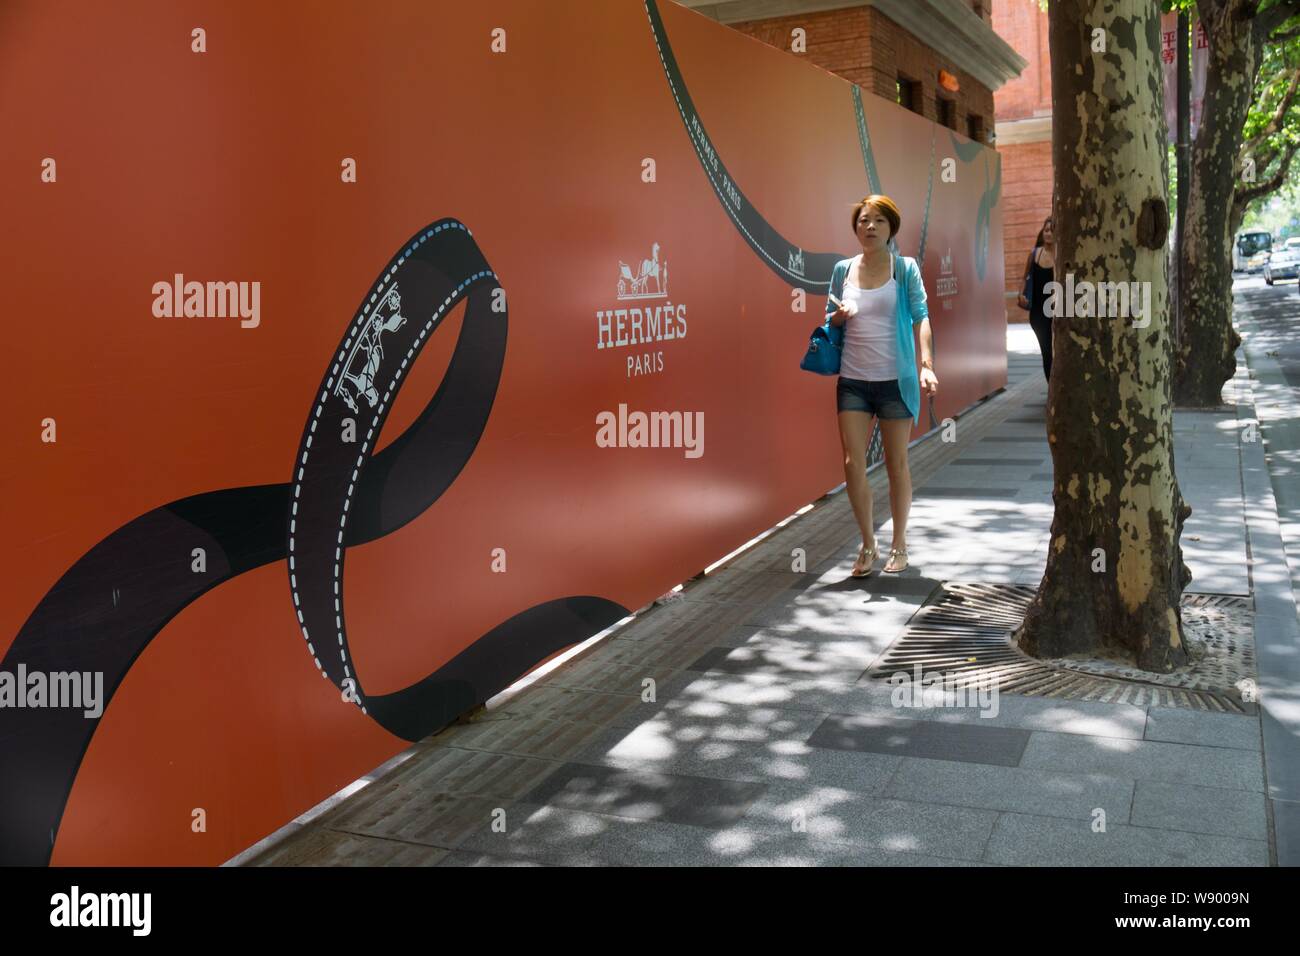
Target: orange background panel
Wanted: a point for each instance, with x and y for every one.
(225, 166)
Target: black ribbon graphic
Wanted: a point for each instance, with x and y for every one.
(106, 609)
(110, 604)
(803, 270)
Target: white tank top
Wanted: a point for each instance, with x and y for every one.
(871, 333)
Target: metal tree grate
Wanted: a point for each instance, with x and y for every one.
(962, 639)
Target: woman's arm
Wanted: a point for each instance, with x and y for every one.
(929, 381)
(1029, 264)
(916, 300)
(921, 313)
(833, 311)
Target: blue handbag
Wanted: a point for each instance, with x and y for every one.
(824, 348)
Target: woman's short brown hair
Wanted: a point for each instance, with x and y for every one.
(888, 208)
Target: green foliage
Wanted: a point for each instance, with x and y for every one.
(1271, 135)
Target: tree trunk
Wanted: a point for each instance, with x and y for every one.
(1206, 357)
(1115, 572)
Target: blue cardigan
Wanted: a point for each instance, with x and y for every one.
(910, 310)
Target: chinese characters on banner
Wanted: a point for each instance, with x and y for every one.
(1168, 62)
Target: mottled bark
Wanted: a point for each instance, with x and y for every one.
(1115, 572)
(1208, 342)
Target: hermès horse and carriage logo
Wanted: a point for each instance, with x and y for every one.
(795, 262)
(642, 324)
(364, 358)
(947, 284)
(650, 282)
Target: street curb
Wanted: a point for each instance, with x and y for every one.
(1277, 630)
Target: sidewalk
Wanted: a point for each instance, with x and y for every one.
(1266, 319)
(767, 743)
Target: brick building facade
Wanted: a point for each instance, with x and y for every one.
(1023, 113)
(896, 50)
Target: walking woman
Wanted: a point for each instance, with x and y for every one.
(878, 297)
(1042, 265)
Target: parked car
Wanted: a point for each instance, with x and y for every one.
(1284, 262)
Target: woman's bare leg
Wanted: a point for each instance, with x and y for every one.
(855, 432)
(895, 434)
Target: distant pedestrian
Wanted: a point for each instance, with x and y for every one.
(1042, 267)
(878, 298)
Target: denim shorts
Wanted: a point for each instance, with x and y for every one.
(882, 399)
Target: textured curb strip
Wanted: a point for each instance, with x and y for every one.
(1277, 633)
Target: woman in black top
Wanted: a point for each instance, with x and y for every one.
(1042, 263)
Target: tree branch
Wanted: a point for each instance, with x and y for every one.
(1274, 124)
(1241, 196)
(1269, 20)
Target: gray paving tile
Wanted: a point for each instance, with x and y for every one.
(969, 743)
(890, 623)
(625, 841)
(907, 582)
(323, 847)
(532, 832)
(467, 858)
(1196, 727)
(1011, 788)
(419, 800)
(1146, 760)
(936, 491)
(1003, 462)
(628, 842)
(1022, 840)
(845, 620)
(844, 816)
(647, 795)
(623, 677)
(1286, 827)
(1200, 809)
(666, 739)
(790, 761)
(758, 659)
(433, 819)
(806, 694)
(567, 703)
(1086, 717)
(527, 737)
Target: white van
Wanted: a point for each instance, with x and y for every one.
(1248, 245)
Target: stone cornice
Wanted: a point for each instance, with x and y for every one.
(1036, 129)
(949, 27)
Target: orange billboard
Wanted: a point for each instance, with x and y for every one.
(367, 358)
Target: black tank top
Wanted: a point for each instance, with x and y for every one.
(1039, 277)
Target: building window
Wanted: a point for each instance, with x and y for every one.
(909, 94)
(947, 112)
(975, 127)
